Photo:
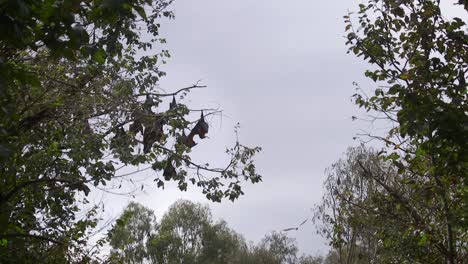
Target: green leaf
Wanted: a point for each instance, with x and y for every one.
(404, 76)
(423, 240)
(141, 11)
(99, 56)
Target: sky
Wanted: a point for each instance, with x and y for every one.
(280, 69)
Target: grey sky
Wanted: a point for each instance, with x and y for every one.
(279, 68)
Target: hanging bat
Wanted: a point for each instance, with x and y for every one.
(148, 103)
(169, 171)
(183, 139)
(172, 104)
(152, 133)
(200, 129)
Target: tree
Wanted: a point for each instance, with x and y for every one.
(130, 235)
(221, 244)
(181, 235)
(367, 211)
(186, 234)
(79, 100)
(419, 60)
(373, 213)
(276, 248)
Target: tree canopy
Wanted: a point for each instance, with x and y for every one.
(79, 101)
(406, 203)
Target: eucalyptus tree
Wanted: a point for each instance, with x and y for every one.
(418, 60)
(130, 235)
(368, 213)
(276, 248)
(181, 236)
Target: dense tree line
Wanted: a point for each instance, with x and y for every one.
(188, 234)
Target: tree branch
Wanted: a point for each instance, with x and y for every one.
(14, 235)
(195, 86)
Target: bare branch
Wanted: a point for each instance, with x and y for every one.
(195, 86)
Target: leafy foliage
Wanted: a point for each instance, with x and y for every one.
(407, 203)
(182, 233)
(371, 213)
(79, 101)
(130, 235)
(276, 248)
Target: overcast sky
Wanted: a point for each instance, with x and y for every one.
(279, 68)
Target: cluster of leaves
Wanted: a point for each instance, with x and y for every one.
(409, 202)
(187, 234)
(79, 100)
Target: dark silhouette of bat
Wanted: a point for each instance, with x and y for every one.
(87, 128)
(200, 129)
(152, 133)
(172, 104)
(169, 171)
(183, 139)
